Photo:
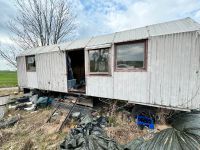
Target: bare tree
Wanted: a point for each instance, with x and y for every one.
(9, 54)
(8, 58)
(39, 23)
(42, 22)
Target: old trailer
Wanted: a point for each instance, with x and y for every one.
(156, 65)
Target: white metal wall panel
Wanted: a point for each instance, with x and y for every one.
(51, 71)
(173, 67)
(99, 40)
(137, 34)
(78, 44)
(172, 78)
(131, 86)
(32, 80)
(21, 71)
(99, 86)
(177, 26)
(194, 76)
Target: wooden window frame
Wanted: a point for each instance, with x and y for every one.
(109, 62)
(144, 68)
(28, 70)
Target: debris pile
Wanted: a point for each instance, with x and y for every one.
(110, 127)
(30, 102)
(88, 135)
(184, 135)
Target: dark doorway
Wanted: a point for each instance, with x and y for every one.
(76, 71)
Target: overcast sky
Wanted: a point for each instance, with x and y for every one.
(96, 17)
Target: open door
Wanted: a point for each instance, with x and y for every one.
(76, 71)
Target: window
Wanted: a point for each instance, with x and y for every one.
(130, 56)
(99, 61)
(30, 63)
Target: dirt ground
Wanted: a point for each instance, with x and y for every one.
(8, 91)
(32, 132)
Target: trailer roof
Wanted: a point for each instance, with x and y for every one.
(177, 26)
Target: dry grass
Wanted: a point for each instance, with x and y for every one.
(8, 92)
(125, 130)
(125, 133)
(32, 132)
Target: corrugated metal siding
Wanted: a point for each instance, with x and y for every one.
(172, 78)
(194, 82)
(51, 71)
(32, 80)
(100, 86)
(100, 40)
(78, 44)
(131, 86)
(136, 34)
(177, 26)
(21, 71)
(173, 67)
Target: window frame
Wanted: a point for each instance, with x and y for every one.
(27, 69)
(109, 62)
(143, 69)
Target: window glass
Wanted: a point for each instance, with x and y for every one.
(130, 55)
(99, 60)
(30, 63)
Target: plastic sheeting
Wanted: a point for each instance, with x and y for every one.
(184, 135)
(44, 102)
(88, 136)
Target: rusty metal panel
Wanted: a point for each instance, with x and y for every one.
(51, 71)
(21, 71)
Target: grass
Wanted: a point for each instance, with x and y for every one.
(8, 78)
